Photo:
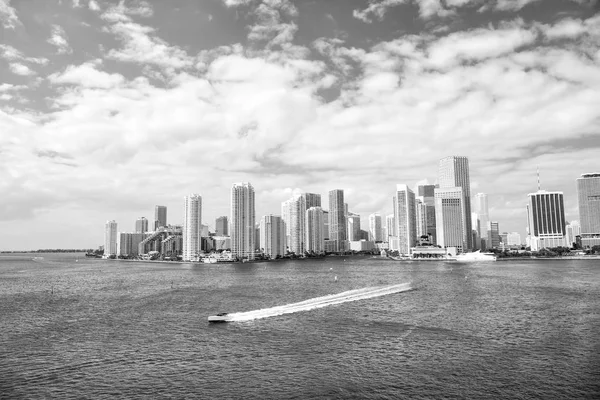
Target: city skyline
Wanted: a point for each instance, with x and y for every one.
(110, 108)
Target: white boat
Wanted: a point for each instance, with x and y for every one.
(209, 260)
(221, 317)
(476, 256)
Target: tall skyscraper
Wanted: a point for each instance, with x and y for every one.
(192, 227)
(495, 234)
(312, 200)
(375, 228)
(390, 227)
(405, 218)
(546, 219)
(588, 196)
(325, 225)
(110, 238)
(480, 208)
(141, 225)
(453, 172)
(353, 229)
(450, 220)
(337, 219)
(222, 226)
(160, 216)
(242, 220)
(573, 230)
(294, 212)
(315, 242)
(272, 236)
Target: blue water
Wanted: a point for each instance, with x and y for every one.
(77, 328)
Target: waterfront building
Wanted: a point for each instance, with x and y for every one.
(110, 238)
(293, 212)
(192, 227)
(513, 239)
(167, 241)
(375, 231)
(450, 220)
(272, 236)
(315, 242)
(337, 219)
(353, 221)
(573, 230)
(128, 243)
(242, 220)
(405, 218)
(495, 234)
(325, 225)
(588, 197)
(160, 216)
(141, 225)
(546, 219)
(390, 227)
(222, 242)
(362, 245)
(453, 172)
(222, 226)
(312, 200)
(481, 211)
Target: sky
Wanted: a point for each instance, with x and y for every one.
(108, 108)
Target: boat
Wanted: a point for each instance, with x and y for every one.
(476, 256)
(209, 260)
(221, 317)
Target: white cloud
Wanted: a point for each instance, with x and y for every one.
(21, 69)
(93, 5)
(11, 54)
(88, 76)
(8, 15)
(59, 40)
(376, 9)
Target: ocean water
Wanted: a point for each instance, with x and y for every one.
(77, 328)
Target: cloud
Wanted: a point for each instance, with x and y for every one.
(8, 15)
(376, 9)
(58, 39)
(21, 69)
(11, 54)
(88, 76)
(93, 5)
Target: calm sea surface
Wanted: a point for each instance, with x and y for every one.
(77, 328)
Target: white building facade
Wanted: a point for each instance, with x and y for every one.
(242, 220)
(192, 227)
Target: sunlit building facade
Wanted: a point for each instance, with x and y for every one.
(546, 220)
(242, 221)
(588, 196)
(192, 227)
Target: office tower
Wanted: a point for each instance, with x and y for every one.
(272, 236)
(110, 238)
(160, 217)
(353, 229)
(421, 217)
(390, 227)
(325, 225)
(405, 218)
(315, 242)
(375, 231)
(128, 243)
(294, 210)
(222, 226)
(192, 227)
(573, 230)
(141, 225)
(546, 219)
(242, 220)
(453, 172)
(257, 243)
(495, 234)
(480, 208)
(427, 192)
(588, 196)
(450, 220)
(312, 200)
(337, 219)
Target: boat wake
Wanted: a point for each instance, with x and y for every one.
(319, 302)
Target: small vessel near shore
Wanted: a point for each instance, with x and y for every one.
(476, 256)
(221, 317)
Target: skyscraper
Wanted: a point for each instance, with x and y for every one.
(480, 207)
(375, 229)
(294, 211)
(495, 234)
(405, 218)
(242, 220)
(141, 225)
(390, 227)
(315, 242)
(110, 238)
(160, 216)
(325, 225)
(573, 230)
(546, 219)
(192, 227)
(337, 219)
(588, 196)
(222, 226)
(450, 220)
(353, 229)
(312, 200)
(453, 172)
(272, 236)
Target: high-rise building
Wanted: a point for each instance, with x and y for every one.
(242, 220)
(513, 239)
(192, 227)
(405, 218)
(312, 200)
(222, 226)
(337, 219)
(110, 238)
(375, 229)
(315, 242)
(453, 172)
(450, 220)
(160, 217)
(325, 225)
(294, 211)
(272, 236)
(353, 229)
(128, 243)
(495, 234)
(390, 227)
(588, 196)
(480, 208)
(141, 225)
(546, 218)
(573, 230)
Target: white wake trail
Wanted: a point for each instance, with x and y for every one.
(319, 302)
